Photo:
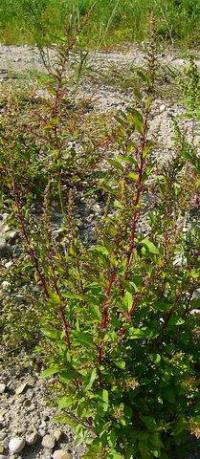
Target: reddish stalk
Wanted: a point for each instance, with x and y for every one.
(139, 190)
(105, 317)
(34, 259)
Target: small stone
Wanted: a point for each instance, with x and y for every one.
(2, 388)
(31, 380)
(43, 425)
(195, 312)
(21, 388)
(2, 435)
(31, 408)
(48, 442)
(57, 433)
(32, 438)
(9, 264)
(162, 108)
(5, 285)
(16, 445)
(61, 454)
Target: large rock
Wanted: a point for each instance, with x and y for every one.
(16, 445)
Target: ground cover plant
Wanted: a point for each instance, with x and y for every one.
(113, 21)
(114, 314)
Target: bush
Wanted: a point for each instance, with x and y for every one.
(118, 319)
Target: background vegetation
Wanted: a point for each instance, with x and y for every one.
(112, 20)
(112, 306)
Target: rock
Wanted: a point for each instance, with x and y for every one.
(61, 454)
(32, 438)
(16, 445)
(20, 389)
(30, 381)
(31, 408)
(1, 448)
(196, 294)
(195, 312)
(3, 457)
(48, 442)
(57, 433)
(11, 235)
(5, 285)
(162, 108)
(9, 264)
(2, 388)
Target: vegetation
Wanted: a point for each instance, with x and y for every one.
(112, 21)
(111, 305)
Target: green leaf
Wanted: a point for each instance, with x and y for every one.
(137, 333)
(95, 312)
(92, 378)
(68, 375)
(102, 250)
(54, 335)
(115, 455)
(128, 300)
(65, 402)
(105, 399)
(54, 298)
(84, 339)
(73, 296)
(133, 176)
(136, 119)
(150, 246)
(176, 320)
(50, 371)
(149, 422)
(163, 304)
(120, 364)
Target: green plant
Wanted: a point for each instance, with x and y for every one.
(117, 315)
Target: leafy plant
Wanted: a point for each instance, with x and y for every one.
(117, 315)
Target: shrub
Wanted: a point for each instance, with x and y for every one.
(117, 316)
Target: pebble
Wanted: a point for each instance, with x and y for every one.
(9, 264)
(21, 388)
(57, 433)
(5, 285)
(195, 311)
(32, 438)
(16, 445)
(162, 108)
(2, 388)
(61, 454)
(48, 442)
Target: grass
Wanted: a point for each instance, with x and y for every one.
(110, 21)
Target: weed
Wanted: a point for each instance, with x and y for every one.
(115, 312)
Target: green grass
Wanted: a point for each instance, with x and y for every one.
(111, 21)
